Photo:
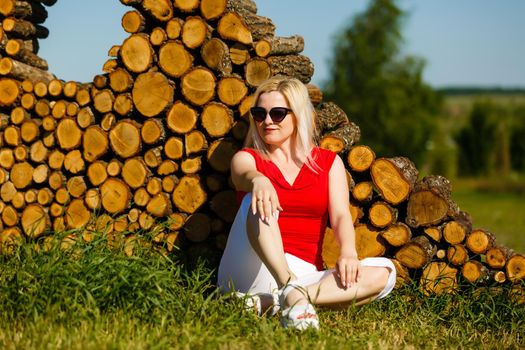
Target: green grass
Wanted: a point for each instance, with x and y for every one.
(495, 205)
(92, 297)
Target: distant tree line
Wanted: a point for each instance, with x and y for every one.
(476, 91)
(399, 114)
(382, 91)
(493, 140)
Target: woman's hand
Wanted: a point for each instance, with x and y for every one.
(348, 268)
(264, 198)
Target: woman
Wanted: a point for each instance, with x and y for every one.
(291, 188)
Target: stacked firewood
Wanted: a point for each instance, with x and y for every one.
(152, 137)
(145, 148)
(417, 224)
(19, 34)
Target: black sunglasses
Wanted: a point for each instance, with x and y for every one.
(276, 113)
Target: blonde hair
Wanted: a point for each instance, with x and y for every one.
(305, 134)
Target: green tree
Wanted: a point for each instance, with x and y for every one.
(381, 91)
(476, 141)
(517, 139)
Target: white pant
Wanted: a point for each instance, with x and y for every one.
(242, 270)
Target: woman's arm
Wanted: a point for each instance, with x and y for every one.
(246, 178)
(342, 223)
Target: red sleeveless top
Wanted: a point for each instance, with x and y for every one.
(305, 204)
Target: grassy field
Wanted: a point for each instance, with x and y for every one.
(95, 298)
(496, 208)
(457, 107)
(92, 297)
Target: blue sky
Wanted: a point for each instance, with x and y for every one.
(464, 42)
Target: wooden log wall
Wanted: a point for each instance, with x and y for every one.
(144, 149)
(420, 228)
(21, 28)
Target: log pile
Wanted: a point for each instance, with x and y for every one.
(19, 34)
(417, 224)
(144, 149)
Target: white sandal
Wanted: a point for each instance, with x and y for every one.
(296, 316)
(253, 302)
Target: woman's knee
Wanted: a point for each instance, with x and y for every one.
(377, 278)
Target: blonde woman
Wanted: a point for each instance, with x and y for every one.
(290, 189)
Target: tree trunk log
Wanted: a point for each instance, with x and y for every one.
(216, 55)
(417, 253)
(479, 241)
(397, 234)
(279, 46)
(475, 272)
(382, 215)
(394, 178)
(368, 241)
(497, 256)
(438, 278)
(152, 93)
(297, 66)
(430, 202)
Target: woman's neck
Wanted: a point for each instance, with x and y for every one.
(286, 154)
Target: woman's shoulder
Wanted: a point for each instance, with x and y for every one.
(253, 152)
(249, 153)
(324, 157)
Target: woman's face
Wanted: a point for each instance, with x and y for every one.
(275, 133)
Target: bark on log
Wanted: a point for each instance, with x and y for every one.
(31, 11)
(23, 29)
(315, 93)
(417, 253)
(297, 66)
(394, 178)
(341, 139)
(430, 202)
(16, 48)
(279, 46)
